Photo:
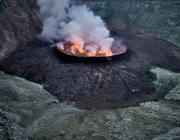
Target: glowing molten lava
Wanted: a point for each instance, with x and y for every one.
(109, 53)
(90, 50)
(77, 47)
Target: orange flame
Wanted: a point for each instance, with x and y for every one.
(78, 48)
(62, 48)
(91, 55)
(101, 52)
(109, 53)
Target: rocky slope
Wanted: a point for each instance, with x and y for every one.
(27, 111)
(20, 22)
(159, 17)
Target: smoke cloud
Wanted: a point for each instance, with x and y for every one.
(76, 24)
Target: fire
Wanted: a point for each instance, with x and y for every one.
(90, 50)
(62, 48)
(91, 55)
(101, 52)
(77, 47)
(109, 53)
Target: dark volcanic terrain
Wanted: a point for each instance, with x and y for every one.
(99, 84)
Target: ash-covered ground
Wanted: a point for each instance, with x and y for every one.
(98, 84)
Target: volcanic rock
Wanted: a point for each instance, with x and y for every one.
(27, 111)
(96, 84)
(20, 22)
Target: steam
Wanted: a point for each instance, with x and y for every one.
(75, 24)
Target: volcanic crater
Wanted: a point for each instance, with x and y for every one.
(95, 82)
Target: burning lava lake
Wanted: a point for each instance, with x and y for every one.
(96, 83)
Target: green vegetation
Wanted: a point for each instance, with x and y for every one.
(3, 4)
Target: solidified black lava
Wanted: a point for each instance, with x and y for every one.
(95, 83)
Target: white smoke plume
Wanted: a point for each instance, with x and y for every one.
(76, 24)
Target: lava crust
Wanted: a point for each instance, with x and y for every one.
(97, 84)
